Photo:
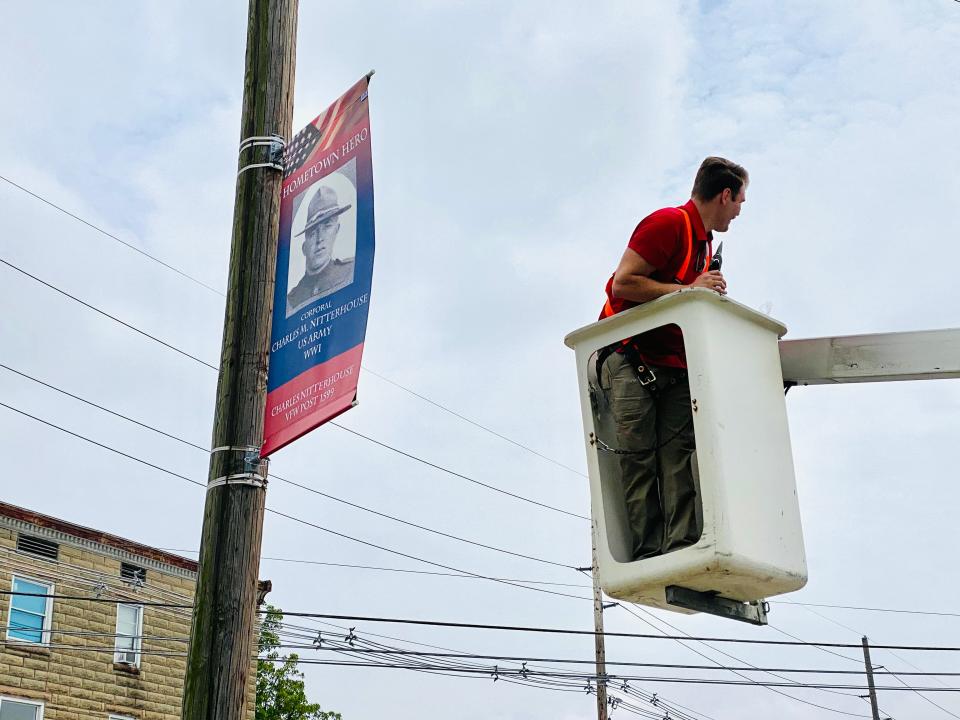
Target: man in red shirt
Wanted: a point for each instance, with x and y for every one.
(646, 377)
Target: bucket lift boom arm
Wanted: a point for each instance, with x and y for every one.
(883, 357)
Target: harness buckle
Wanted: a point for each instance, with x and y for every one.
(645, 375)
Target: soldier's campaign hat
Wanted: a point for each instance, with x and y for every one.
(323, 206)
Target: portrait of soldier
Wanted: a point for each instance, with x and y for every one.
(324, 274)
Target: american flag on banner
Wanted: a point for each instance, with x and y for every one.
(298, 151)
(343, 114)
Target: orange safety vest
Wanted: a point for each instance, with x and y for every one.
(684, 266)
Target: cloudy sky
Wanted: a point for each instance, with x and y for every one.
(515, 147)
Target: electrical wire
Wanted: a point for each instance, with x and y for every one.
(114, 601)
(223, 295)
(619, 677)
(397, 570)
(147, 651)
(335, 424)
(112, 236)
(809, 608)
(458, 475)
(572, 661)
(301, 520)
(676, 708)
(921, 695)
(287, 481)
(475, 423)
(770, 687)
(98, 585)
(521, 678)
(563, 631)
(423, 560)
(61, 568)
(81, 634)
(478, 656)
(108, 315)
(821, 649)
(868, 609)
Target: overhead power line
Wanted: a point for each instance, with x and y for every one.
(495, 671)
(592, 661)
(294, 518)
(648, 636)
(511, 628)
(80, 633)
(193, 279)
(328, 496)
(809, 608)
(868, 609)
(919, 694)
(335, 424)
(110, 235)
(475, 423)
(462, 477)
(113, 601)
(678, 711)
(858, 662)
(108, 315)
(302, 561)
(613, 677)
(793, 683)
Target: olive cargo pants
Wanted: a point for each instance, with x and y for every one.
(656, 439)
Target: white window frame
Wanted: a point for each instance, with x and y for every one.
(47, 613)
(23, 701)
(138, 638)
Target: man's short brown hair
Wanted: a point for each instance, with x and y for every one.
(715, 175)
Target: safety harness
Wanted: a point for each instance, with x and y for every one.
(628, 347)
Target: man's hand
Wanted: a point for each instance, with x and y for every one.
(712, 280)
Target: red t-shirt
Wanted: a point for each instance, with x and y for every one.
(661, 240)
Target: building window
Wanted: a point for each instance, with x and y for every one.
(129, 632)
(29, 619)
(11, 709)
(120, 717)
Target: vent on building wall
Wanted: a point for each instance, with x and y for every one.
(133, 573)
(37, 546)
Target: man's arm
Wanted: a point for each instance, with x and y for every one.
(632, 280)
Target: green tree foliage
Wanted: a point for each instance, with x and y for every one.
(280, 693)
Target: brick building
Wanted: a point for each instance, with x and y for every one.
(74, 657)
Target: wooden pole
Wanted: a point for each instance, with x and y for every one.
(221, 640)
(598, 637)
(873, 691)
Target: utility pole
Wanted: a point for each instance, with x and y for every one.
(870, 686)
(598, 635)
(221, 640)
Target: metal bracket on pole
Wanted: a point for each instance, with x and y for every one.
(754, 613)
(244, 467)
(274, 155)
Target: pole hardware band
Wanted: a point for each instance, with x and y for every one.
(237, 465)
(251, 479)
(274, 155)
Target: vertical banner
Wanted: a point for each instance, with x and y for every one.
(324, 270)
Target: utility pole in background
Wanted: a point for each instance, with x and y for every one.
(221, 647)
(870, 686)
(598, 636)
